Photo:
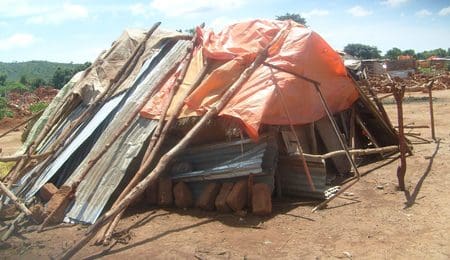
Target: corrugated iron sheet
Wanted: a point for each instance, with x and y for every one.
(228, 162)
(293, 178)
(95, 190)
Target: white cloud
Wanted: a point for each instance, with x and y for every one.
(444, 11)
(393, 3)
(315, 12)
(18, 40)
(423, 13)
(185, 7)
(221, 22)
(60, 14)
(359, 11)
(20, 8)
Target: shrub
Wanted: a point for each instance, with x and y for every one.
(38, 107)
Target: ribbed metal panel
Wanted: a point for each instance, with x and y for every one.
(228, 162)
(294, 181)
(104, 177)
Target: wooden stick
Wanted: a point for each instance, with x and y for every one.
(414, 126)
(297, 140)
(21, 124)
(15, 158)
(341, 190)
(352, 138)
(353, 152)
(167, 158)
(15, 200)
(369, 135)
(13, 226)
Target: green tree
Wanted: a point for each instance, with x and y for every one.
(61, 77)
(362, 51)
(409, 52)
(38, 82)
(23, 80)
(3, 78)
(393, 53)
(295, 17)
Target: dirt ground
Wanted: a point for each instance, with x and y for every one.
(11, 142)
(372, 221)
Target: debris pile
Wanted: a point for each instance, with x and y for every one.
(416, 82)
(20, 103)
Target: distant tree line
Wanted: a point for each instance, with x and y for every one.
(59, 78)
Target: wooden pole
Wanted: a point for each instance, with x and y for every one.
(167, 158)
(399, 92)
(353, 152)
(106, 233)
(297, 140)
(15, 200)
(430, 97)
(15, 158)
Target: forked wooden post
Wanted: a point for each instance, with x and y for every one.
(399, 92)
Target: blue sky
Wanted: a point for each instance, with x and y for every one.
(77, 30)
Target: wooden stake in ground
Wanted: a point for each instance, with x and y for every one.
(399, 92)
(430, 97)
(167, 158)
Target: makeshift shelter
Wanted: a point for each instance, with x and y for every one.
(107, 121)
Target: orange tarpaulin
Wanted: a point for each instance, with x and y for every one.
(264, 98)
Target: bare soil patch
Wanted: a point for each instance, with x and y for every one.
(372, 220)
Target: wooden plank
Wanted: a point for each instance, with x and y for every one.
(331, 142)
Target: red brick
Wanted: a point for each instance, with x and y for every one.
(208, 197)
(237, 198)
(221, 199)
(47, 191)
(165, 196)
(59, 202)
(262, 199)
(183, 195)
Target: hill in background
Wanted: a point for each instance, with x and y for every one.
(33, 69)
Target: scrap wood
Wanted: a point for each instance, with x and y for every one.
(167, 158)
(156, 140)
